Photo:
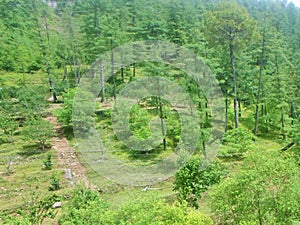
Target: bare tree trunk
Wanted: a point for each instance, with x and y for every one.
(113, 70)
(261, 67)
(122, 73)
(43, 47)
(240, 108)
(259, 210)
(66, 76)
(75, 61)
(293, 113)
(134, 68)
(226, 112)
(102, 83)
(282, 125)
(48, 69)
(232, 61)
(161, 115)
(163, 130)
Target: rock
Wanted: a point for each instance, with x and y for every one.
(57, 205)
(68, 174)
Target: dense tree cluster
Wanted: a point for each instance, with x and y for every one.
(252, 46)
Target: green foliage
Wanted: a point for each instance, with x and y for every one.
(229, 22)
(65, 113)
(8, 125)
(191, 181)
(48, 162)
(237, 142)
(155, 211)
(32, 100)
(86, 207)
(54, 183)
(38, 130)
(265, 190)
(62, 42)
(139, 121)
(82, 119)
(35, 213)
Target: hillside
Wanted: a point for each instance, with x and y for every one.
(149, 112)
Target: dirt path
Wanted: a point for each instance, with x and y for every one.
(67, 159)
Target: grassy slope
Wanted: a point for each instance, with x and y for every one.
(28, 179)
(28, 174)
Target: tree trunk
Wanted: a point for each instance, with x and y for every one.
(232, 61)
(102, 83)
(226, 105)
(261, 66)
(226, 113)
(52, 88)
(282, 125)
(48, 66)
(288, 146)
(240, 108)
(293, 113)
(163, 131)
(259, 210)
(122, 74)
(161, 115)
(134, 70)
(113, 70)
(75, 61)
(66, 76)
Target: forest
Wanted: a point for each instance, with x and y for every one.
(149, 112)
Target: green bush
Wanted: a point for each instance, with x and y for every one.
(8, 125)
(155, 211)
(191, 181)
(86, 207)
(48, 163)
(38, 130)
(32, 100)
(35, 213)
(54, 183)
(265, 190)
(237, 142)
(82, 119)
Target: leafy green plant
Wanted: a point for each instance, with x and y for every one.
(48, 163)
(86, 207)
(32, 100)
(38, 130)
(191, 181)
(8, 125)
(65, 113)
(35, 213)
(154, 211)
(237, 142)
(54, 183)
(265, 190)
(82, 119)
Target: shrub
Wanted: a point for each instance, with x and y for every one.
(191, 181)
(265, 190)
(48, 163)
(34, 214)
(54, 183)
(237, 142)
(155, 211)
(85, 207)
(38, 130)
